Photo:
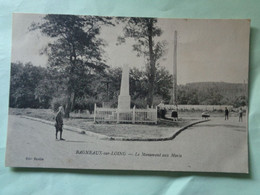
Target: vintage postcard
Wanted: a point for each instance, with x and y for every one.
(129, 93)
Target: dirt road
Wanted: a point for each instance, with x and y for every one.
(217, 145)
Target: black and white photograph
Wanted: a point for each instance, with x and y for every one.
(128, 93)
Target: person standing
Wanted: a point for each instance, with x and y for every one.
(226, 113)
(59, 123)
(240, 115)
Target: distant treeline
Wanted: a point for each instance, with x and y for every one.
(38, 87)
(213, 93)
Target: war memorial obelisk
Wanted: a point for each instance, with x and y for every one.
(124, 97)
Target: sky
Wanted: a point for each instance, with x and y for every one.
(207, 50)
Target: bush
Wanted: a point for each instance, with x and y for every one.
(86, 104)
(240, 101)
(57, 102)
(139, 103)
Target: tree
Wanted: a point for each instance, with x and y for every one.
(163, 83)
(144, 31)
(75, 51)
(24, 82)
(240, 101)
(138, 84)
(47, 87)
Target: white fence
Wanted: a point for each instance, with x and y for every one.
(134, 115)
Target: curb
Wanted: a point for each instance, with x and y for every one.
(68, 128)
(158, 139)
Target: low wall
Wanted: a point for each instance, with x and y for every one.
(197, 107)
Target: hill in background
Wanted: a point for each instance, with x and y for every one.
(213, 93)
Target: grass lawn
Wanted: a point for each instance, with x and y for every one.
(85, 122)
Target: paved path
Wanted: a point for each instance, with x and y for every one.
(217, 145)
(218, 140)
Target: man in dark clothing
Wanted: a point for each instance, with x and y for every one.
(59, 123)
(226, 113)
(240, 119)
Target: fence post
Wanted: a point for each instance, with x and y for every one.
(117, 116)
(95, 109)
(133, 119)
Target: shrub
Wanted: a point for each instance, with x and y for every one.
(57, 102)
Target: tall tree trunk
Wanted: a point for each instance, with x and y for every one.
(152, 69)
(68, 105)
(71, 94)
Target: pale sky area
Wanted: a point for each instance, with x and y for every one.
(208, 50)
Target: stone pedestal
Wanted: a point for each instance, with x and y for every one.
(124, 97)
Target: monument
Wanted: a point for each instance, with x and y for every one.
(124, 97)
(123, 113)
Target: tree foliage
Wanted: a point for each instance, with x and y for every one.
(212, 93)
(25, 85)
(37, 87)
(75, 51)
